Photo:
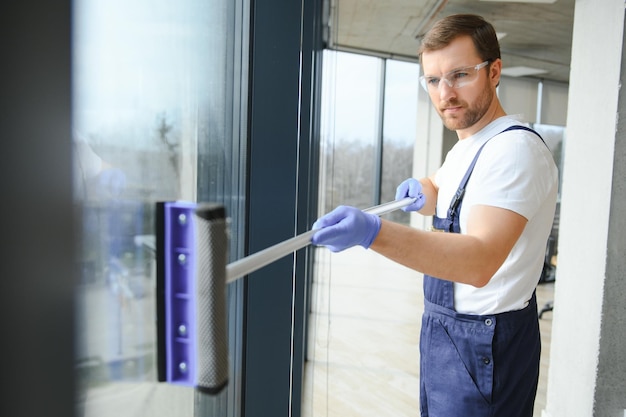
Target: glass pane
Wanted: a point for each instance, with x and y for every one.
(399, 129)
(350, 120)
(364, 317)
(152, 97)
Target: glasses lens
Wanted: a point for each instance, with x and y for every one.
(455, 79)
(463, 77)
(432, 83)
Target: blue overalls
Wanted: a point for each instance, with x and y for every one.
(470, 365)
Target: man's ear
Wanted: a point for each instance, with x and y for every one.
(495, 71)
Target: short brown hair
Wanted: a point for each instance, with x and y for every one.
(449, 28)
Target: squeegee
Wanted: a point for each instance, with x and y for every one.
(192, 274)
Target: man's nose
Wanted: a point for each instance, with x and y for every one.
(446, 91)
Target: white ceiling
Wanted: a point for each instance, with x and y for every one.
(537, 35)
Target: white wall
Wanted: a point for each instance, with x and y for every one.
(587, 371)
(519, 96)
(537, 101)
(553, 109)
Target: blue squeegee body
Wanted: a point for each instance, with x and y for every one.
(191, 311)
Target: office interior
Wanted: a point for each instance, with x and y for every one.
(223, 102)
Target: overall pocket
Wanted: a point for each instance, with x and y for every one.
(457, 365)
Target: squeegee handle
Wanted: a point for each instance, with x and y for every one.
(251, 263)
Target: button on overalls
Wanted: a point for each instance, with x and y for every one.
(470, 365)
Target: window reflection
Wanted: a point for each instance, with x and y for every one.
(149, 89)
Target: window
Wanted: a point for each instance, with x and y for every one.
(399, 129)
(154, 120)
(363, 315)
(367, 142)
(350, 123)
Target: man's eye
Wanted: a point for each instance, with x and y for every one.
(459, 75)
(432, 81)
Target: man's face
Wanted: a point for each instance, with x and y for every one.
(464, 109)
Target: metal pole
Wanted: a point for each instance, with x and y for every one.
(251, 263)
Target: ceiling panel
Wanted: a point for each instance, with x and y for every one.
(537, 35)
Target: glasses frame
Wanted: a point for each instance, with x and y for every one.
(457, 83)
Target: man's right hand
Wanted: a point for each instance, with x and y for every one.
(345, 227)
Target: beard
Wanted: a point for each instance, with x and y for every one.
(471, 115)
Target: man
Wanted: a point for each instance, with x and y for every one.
(495, 196)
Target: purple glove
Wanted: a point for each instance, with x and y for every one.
(411, 188)
(345, 227)
(109, 183)
(112, 181)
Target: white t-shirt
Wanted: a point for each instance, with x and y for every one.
(515, 171)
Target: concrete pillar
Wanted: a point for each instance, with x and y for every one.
(588, 349)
